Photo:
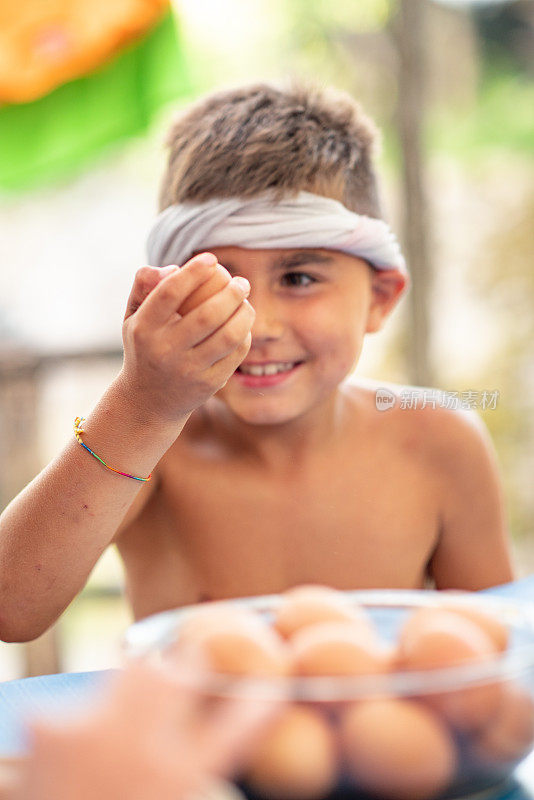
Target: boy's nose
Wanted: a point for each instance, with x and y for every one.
(268, 323)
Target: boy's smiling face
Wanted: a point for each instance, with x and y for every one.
(313, 308)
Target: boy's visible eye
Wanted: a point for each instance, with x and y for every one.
(299, 279)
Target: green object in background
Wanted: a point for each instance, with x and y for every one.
(58, 133)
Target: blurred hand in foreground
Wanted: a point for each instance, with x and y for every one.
(152, 736)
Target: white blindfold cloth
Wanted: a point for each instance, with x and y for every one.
(306, 221)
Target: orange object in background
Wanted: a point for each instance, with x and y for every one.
(46, 44)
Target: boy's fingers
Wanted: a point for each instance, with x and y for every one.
(146, 279)
(164, 302)
(224, 368)
(226, 339)
(213, 313)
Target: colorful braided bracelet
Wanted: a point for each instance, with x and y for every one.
(78, 430)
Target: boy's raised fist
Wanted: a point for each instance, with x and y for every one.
(185, 332)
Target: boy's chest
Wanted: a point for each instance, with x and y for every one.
(230, 532)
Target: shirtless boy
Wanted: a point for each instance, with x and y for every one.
(259, 482)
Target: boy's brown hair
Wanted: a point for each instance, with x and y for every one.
(242, 142)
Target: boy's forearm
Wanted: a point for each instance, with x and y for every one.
(54, 531)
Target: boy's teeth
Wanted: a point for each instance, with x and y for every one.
(267, 369)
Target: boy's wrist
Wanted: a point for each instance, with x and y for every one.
(126, 433)
(141, 411)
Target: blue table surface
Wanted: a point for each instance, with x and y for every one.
(24, 698)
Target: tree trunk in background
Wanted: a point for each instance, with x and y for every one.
(43, 655)
(409, 35)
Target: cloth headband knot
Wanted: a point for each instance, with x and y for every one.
(305, 221)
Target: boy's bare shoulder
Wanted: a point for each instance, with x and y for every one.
(472, 550)
(420, 416)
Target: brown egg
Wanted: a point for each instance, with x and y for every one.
(434, 639)
(509, 734)
(337, 648)
(308, 604)
(240, 651)
(397, 749)
(219, 279)
(208, 616)
(467, 709)
(495, 629)
(233, 641)
(297, 758)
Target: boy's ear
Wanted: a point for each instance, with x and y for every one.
(387, 286)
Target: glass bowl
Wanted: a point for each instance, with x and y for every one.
(402, 735)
